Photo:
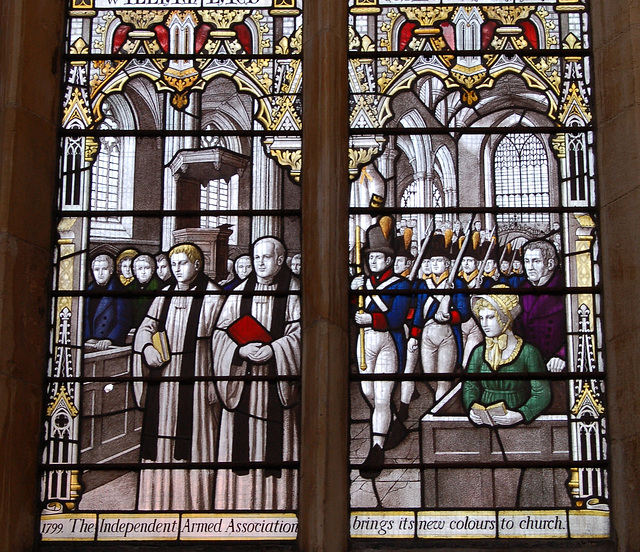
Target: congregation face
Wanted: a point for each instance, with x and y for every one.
(536, 267)
(102, 271)
(266, 261)
(469, 264)
(426, 266)
(243, 267)
(163, 268)
(379, 262)
(439, 265)
(183, 268)
(296, 264)
(489, 266)
(143, 270)
(125, 268)
(401, 264)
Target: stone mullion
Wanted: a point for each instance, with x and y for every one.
(324, 483)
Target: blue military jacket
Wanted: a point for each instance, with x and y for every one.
(388, 309)
(427, 306)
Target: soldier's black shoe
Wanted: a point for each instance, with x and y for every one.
(372, 466)
(397, 434)
(403, 412)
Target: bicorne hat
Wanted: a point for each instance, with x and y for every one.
(471, 250)
(403, 244)
(439, 246)
(381, 237)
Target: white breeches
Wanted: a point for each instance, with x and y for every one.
(381, 357)
(438, 348)
(471, 338)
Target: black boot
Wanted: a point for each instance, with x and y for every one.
(372, 466)
(397, 433)
(403, 412)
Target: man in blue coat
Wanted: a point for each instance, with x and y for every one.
(381, 347)
(517, 277)
(467, 278)
(107, 318)
(437, 321)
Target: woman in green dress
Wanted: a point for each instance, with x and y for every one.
(499, 400)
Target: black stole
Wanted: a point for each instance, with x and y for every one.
(184, 426)
(242, 413)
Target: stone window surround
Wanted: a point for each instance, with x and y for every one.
(30, 36)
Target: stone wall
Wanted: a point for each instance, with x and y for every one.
(30, 32)
(617, 70)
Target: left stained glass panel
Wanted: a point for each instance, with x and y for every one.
(173, 383)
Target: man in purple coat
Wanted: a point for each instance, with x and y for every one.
(543, 319)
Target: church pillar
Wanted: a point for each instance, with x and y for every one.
(386, 161)
(324, 481)
(30, 35)
(616, 42)
(423, 197)
(176, 121)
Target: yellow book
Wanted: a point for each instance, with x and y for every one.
(488, 412)
(160, 343)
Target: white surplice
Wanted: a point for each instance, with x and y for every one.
(180, 489)
(257, 491)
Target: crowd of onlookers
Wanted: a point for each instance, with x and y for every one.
(122, 291)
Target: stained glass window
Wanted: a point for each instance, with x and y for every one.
(522, 175)
(174, 373)
(477, 404)
(476, 389)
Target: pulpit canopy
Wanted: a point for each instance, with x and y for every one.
(208, 164)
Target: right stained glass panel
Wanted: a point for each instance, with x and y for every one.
(477, 405)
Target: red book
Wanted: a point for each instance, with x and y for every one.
(248, 330)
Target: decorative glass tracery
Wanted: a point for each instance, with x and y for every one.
(105, 195)
(219, 195)
(112, 173)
